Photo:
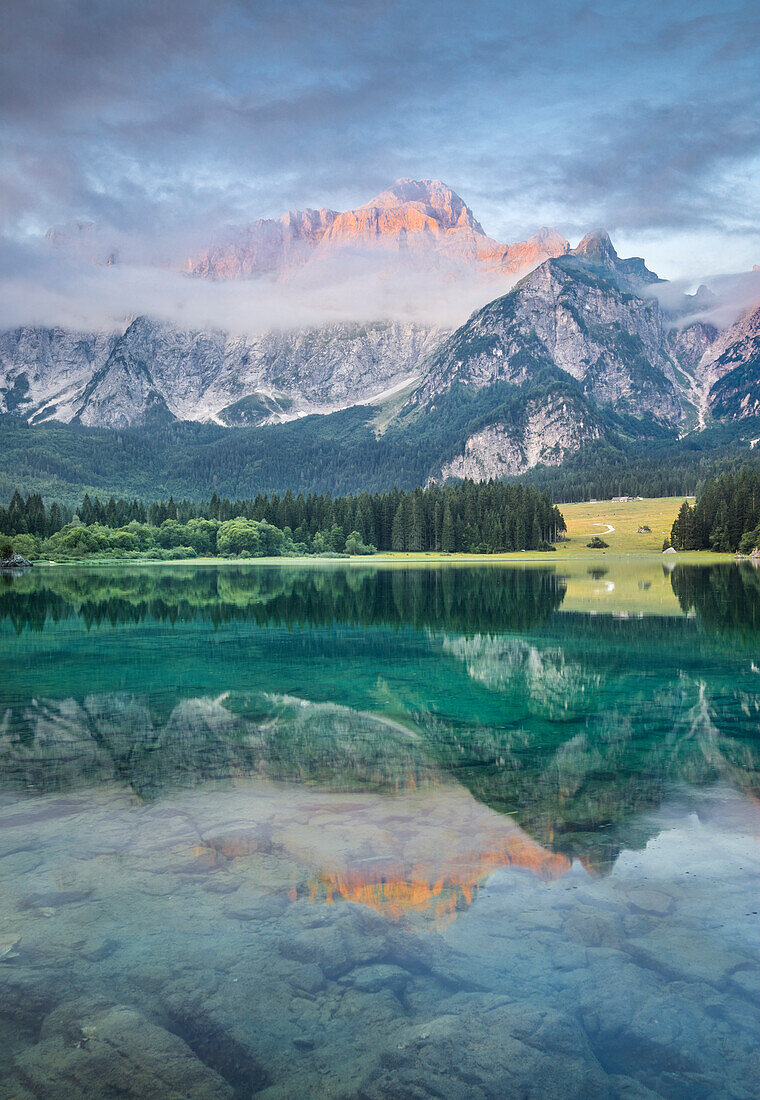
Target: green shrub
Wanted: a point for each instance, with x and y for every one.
(355, 545)
(28, 546)
(749, 541)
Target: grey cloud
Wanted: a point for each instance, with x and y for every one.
(69, 291)
(163, 120)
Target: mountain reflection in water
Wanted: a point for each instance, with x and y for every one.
(325, 825)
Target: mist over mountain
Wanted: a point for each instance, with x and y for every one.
(566, 349)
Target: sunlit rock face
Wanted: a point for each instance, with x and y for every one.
(545, 432)
(412, 216)
(264, 247)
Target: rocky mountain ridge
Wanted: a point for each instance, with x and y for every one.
(584, 346)
(421, 220)
(577, 314)
(152, 370)
(592, 316)
(731, 367)
(589, 318)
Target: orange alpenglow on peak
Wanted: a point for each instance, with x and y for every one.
(424, 220)
(431, 196)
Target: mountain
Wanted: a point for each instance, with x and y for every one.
(579, 314)
(577, 336)
(548, 427)
(732, 365)
(152, 369)
(689, 348)
(589, 355)
(588, 350)
(149, 371)
(423, 221)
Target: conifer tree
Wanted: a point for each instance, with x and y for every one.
(448, 532)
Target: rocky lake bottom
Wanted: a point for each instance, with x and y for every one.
(379, 833)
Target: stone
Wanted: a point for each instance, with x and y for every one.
(487, 1048)
(27, 996)
(8, 945)
(648, 899)
(678, 953)
(372, 979)
(256, 907)
(201, 1010)
(92, 1049)
(53, 899)
(748, 981)
(102, 949)
(308, 978)
(14, 561)
(592, 929)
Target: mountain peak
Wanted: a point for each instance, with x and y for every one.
(596, 247)
(426, 222)
(433, 196)
(407, 189)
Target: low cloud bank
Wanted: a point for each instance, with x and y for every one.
(355, 286)
(48, 286)
(717, 300)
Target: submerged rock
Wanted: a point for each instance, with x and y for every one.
(8, 945)
(487, 1048)
(91, 1049)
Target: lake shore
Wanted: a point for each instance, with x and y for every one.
(523, 557)
(618, 523)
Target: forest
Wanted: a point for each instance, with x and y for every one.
(468, 517)
(342, 454)
(725, 517)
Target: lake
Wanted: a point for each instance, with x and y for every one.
(371, 831)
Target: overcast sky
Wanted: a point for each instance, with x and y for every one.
(162, 120)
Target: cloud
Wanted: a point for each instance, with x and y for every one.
(349, 286)
(662, 166)
(163, 121)
(730, 296)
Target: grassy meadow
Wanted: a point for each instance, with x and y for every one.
(585, 520)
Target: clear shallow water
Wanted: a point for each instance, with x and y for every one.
(380, 832)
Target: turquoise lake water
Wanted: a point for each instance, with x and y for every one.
(373, 831)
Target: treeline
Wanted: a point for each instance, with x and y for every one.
(468, 517)
(726, 517)
(659, 469)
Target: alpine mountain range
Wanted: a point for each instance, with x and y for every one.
(583, 346)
